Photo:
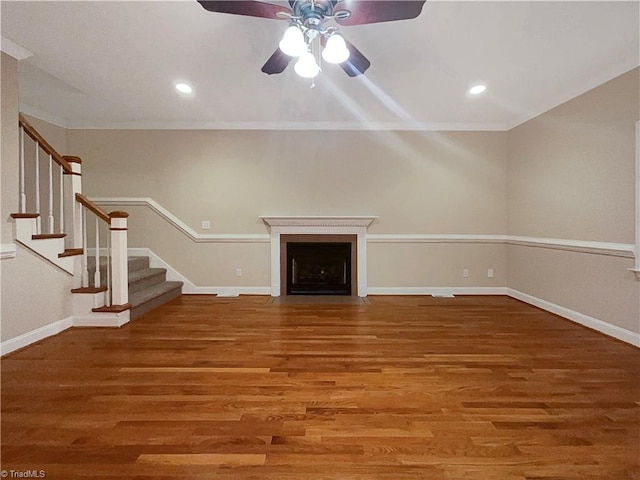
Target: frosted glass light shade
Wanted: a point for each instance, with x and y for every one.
(336, 50)
(477, 89)
(306, 66)
(292, 42)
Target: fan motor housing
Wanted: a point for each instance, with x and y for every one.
(312, 12)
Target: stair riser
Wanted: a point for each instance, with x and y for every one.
(135, 285)
(156, 302)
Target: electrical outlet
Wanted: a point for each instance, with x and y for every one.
(238, 272)
(490, 273)
(206, 224)
(465, 273)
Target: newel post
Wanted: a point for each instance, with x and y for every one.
(76, 208)
(120, 276)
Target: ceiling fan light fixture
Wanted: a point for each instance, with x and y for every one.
(306, 65)
(184, 88)
(477, 89)
(336, 50)
(292, 42)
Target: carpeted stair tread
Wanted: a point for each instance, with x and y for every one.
(148, 287)
(138, 275)
(142, 279)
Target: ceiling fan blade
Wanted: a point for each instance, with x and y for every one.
(276, 63)
(357, 63)
(245, 7)
(376, 11)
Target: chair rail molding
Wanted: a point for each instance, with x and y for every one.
(304, 223)
(13, 49)
(179, 224)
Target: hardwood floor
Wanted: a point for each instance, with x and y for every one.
(399, 388)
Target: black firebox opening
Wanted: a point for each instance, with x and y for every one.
(318, 268)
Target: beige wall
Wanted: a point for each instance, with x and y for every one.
(436, 265)
(204, 264)
(33, 293)
(452, 182)
(599, 286)
(572, 169)
(416, 182)
(566, 174)
(572, 176)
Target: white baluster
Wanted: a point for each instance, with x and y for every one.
(23, 195)
(38, 221)
(61, 199)
(96, 277)
(50, 220)
(85, 263)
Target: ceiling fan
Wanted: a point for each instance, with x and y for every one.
(307, 33)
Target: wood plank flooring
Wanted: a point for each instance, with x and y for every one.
(399, 388)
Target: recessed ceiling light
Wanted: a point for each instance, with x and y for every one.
(477, 89)
(184, 88)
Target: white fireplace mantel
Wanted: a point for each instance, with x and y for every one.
(318, 221)
(323, 225)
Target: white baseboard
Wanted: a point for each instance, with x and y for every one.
(438, 291)
(8, 250)
(36, 335)
(97, 320)
(102, 320)
(614, 331)
(234, 291)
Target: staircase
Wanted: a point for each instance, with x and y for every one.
(59, 223)
(148, 287)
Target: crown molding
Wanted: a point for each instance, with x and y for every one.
(277, 125)
(13, 49)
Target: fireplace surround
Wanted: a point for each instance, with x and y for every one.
(323, 228)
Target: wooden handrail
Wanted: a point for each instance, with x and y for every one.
(33, 133)
(89, 205)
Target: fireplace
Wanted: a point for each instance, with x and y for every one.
(318, 268)
(319, 229)
(318, 264)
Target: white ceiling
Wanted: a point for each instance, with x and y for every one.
(114, 64)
